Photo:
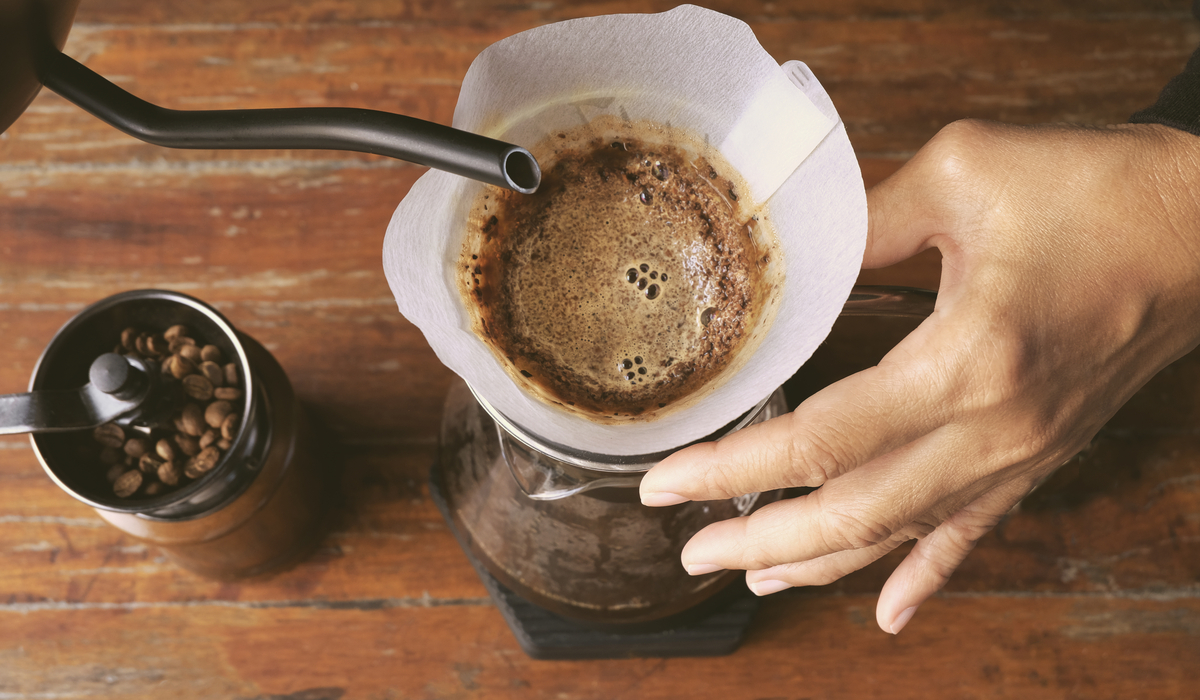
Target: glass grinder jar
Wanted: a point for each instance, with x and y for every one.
(260, 507)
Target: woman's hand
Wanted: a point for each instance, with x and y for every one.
(1070, 276)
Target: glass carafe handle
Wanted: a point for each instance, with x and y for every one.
(881, 300)
(542, 480)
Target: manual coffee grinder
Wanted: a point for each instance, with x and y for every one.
(574, 562)
(256, 507)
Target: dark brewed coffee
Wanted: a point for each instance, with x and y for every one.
(631, 279)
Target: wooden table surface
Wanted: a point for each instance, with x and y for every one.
(1090, 590)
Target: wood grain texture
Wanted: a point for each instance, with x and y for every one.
(801, 647)
(1091, 589)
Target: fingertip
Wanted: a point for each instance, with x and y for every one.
(660, 499)
(902, 619)
(666, 483)
(767, 587)
(898, 600)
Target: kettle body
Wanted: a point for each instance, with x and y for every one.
(24, 26)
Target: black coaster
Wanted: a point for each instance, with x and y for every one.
(717, 631)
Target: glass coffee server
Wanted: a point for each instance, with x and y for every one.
(578, 567)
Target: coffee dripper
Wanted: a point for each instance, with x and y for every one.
(564, 529)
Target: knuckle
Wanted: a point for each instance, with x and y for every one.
(918, 529)
(817, 456)
(960, 161)
(961, 539)
(829, 574)
(766, 541)
(715, 481)
(948, 152)
(945, 559)
(844, 530)
(727, 478)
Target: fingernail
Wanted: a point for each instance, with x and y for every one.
(768, 587)
(902, 619)
(662, 498)
(701, 569)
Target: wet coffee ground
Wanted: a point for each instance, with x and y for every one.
(627, 282)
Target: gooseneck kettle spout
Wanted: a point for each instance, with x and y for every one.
(333, 128)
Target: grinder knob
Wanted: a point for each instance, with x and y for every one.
(110, 373)
(118, 388)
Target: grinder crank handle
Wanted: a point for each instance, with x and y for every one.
(118, 386)
(334, 128)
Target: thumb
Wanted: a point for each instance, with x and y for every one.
(898, 221)
(907, 211)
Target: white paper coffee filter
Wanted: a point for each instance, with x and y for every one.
(690, 68)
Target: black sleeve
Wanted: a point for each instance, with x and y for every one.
(1179, 104)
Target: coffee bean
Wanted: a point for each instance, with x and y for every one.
(129, 338)
(157, 346)
(128, 483)
(229, 426)
(136, 447)
(227, 393)
(215, 414)
(187, 444)
(212, 372)
(179, 343)
(193, 420)
(181, 366)
(115, 472)
(190, 352)
(204, 429)
(165, 450)
(197, 387)
(148, 463)
(174, 332)
(202, 463)
(109, 435)
(168, 473)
